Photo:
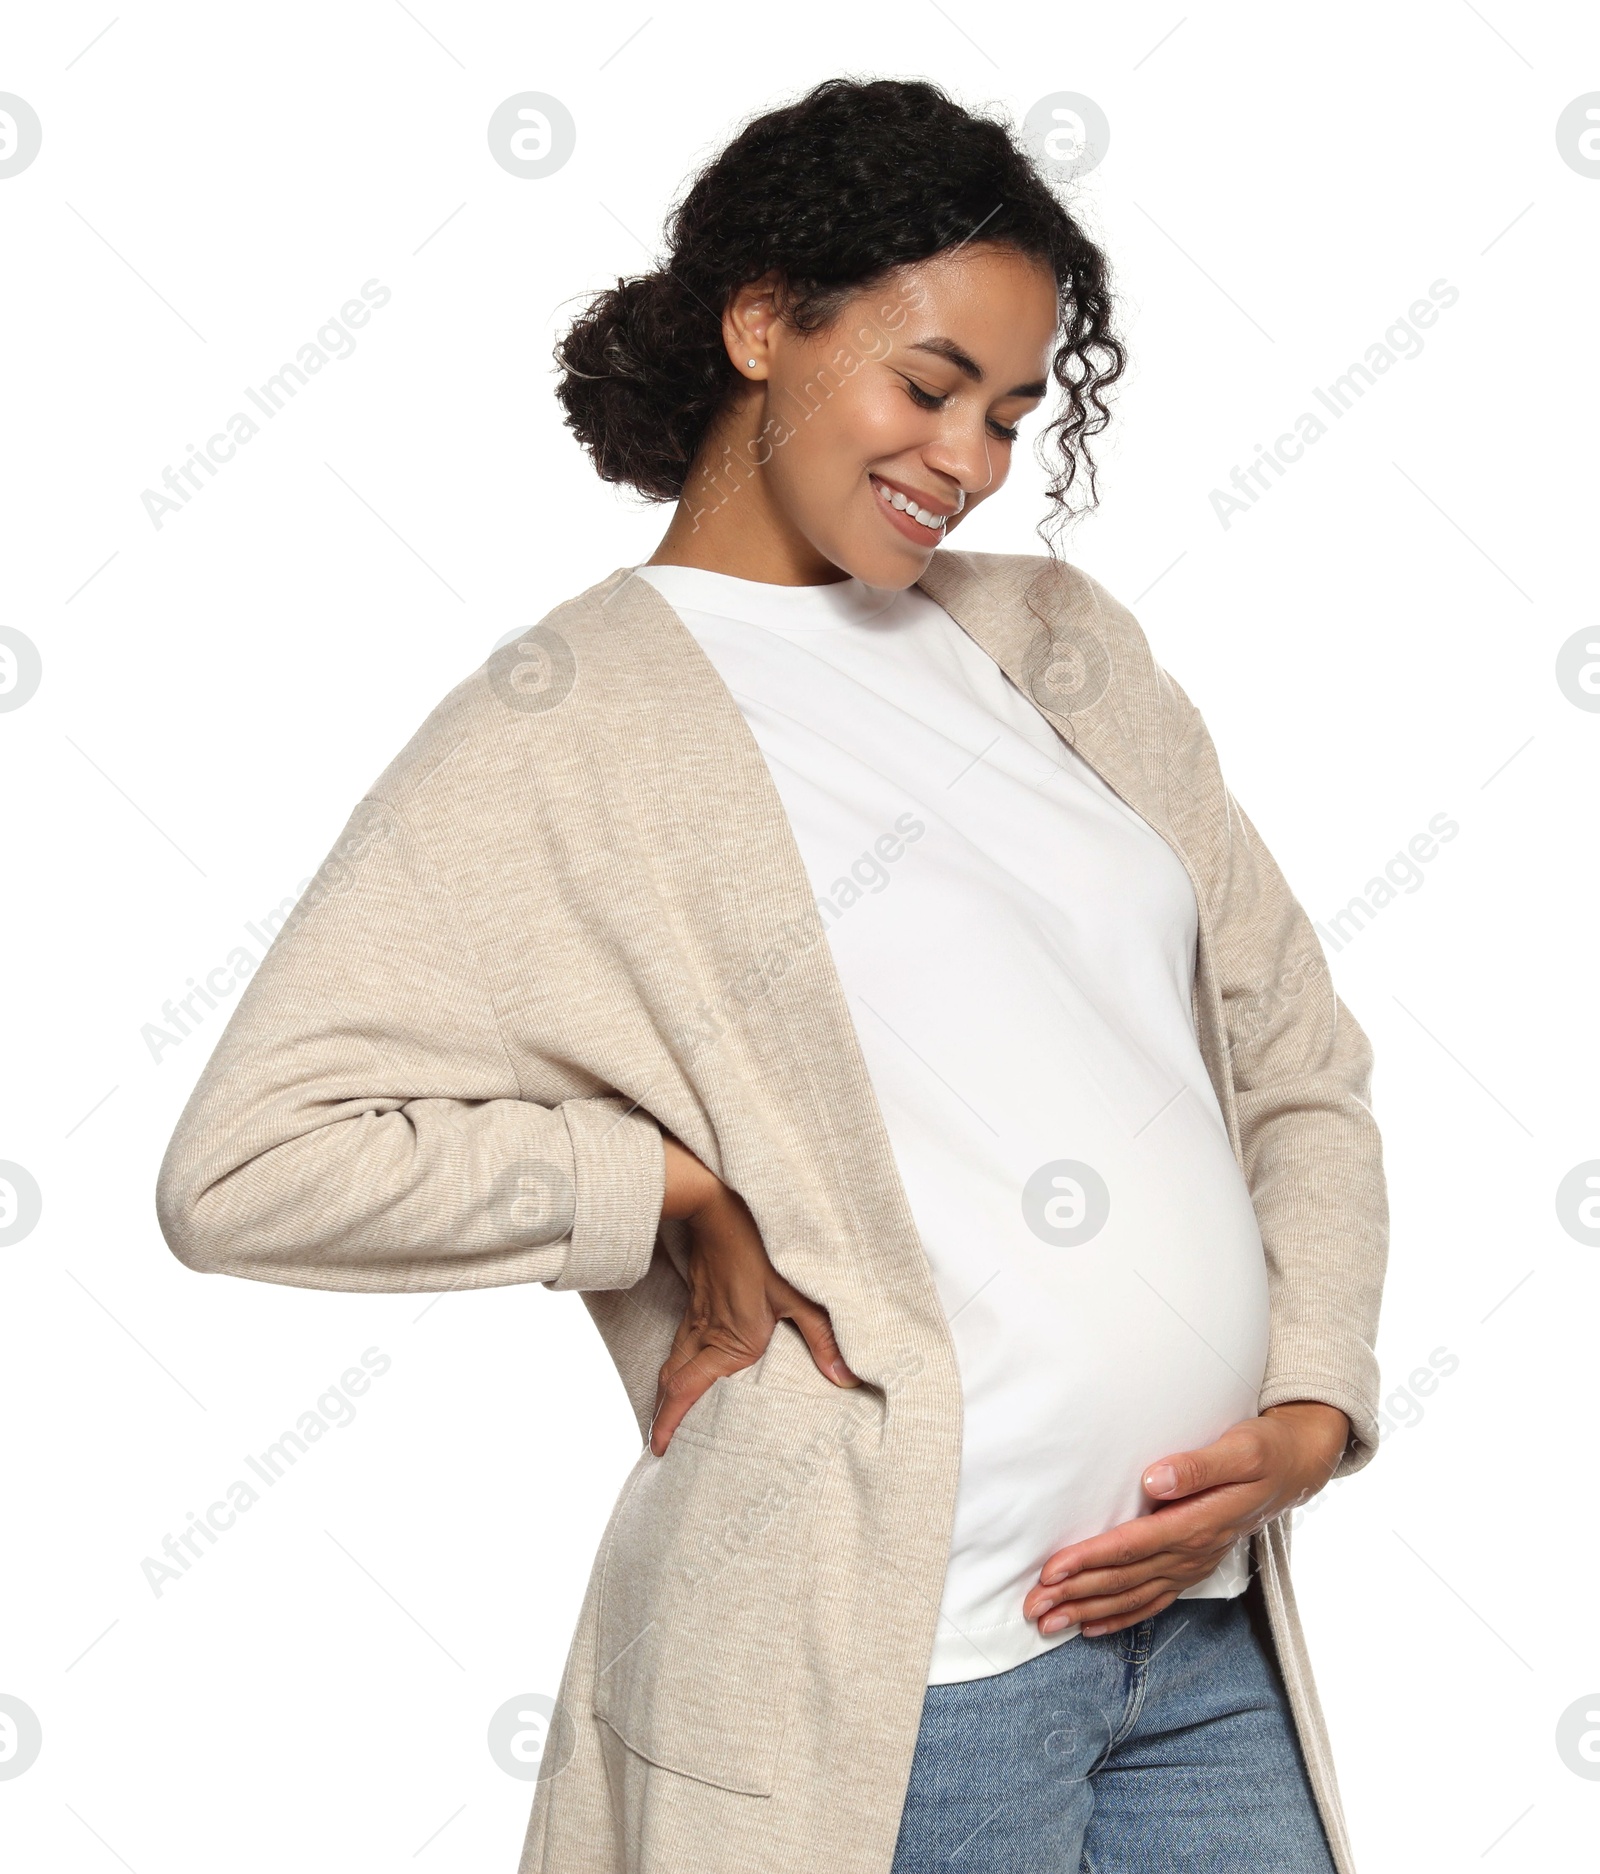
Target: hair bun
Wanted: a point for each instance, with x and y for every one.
(642, 371)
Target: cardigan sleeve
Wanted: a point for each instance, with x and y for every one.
(1301, 1071)
(360, 1125)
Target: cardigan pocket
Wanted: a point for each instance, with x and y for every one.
(703, 1575)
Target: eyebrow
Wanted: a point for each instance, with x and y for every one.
(949, 350)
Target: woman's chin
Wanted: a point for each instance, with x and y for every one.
(890, 566)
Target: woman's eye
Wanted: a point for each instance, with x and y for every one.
(926, 400)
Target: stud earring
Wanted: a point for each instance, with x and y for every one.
(752, 363)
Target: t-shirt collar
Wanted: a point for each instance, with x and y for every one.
(781, 608)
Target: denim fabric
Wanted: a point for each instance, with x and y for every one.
(1167, 1748)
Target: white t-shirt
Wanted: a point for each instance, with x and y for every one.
(1017, 947)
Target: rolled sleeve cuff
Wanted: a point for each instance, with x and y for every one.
(619, 1181)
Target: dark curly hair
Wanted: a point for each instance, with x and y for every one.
(833, 192)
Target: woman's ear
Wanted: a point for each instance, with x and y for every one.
(747, 325)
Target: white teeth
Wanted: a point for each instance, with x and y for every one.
(933, 522)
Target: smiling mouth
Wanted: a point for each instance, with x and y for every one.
(930, 523)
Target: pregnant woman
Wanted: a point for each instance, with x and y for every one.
(838, 957)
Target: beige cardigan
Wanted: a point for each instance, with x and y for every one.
(572, 909)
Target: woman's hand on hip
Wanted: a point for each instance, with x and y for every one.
(736, 1297)
(1208, 1499)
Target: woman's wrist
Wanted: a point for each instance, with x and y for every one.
(689, 1185)
(1322, 1430)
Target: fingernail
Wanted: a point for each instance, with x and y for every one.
(1160, 1479)
(843, 1374)
(1052, 1575)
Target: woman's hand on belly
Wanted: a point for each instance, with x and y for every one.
(736, 1297)
(1208, 1499)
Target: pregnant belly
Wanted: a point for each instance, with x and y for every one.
(1082, 1365)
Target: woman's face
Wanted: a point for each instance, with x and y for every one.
(908, 401)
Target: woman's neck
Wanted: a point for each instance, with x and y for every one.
(727, 520)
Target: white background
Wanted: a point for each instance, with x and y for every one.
(1373, 644)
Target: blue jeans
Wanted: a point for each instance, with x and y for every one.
(1167, 1748)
